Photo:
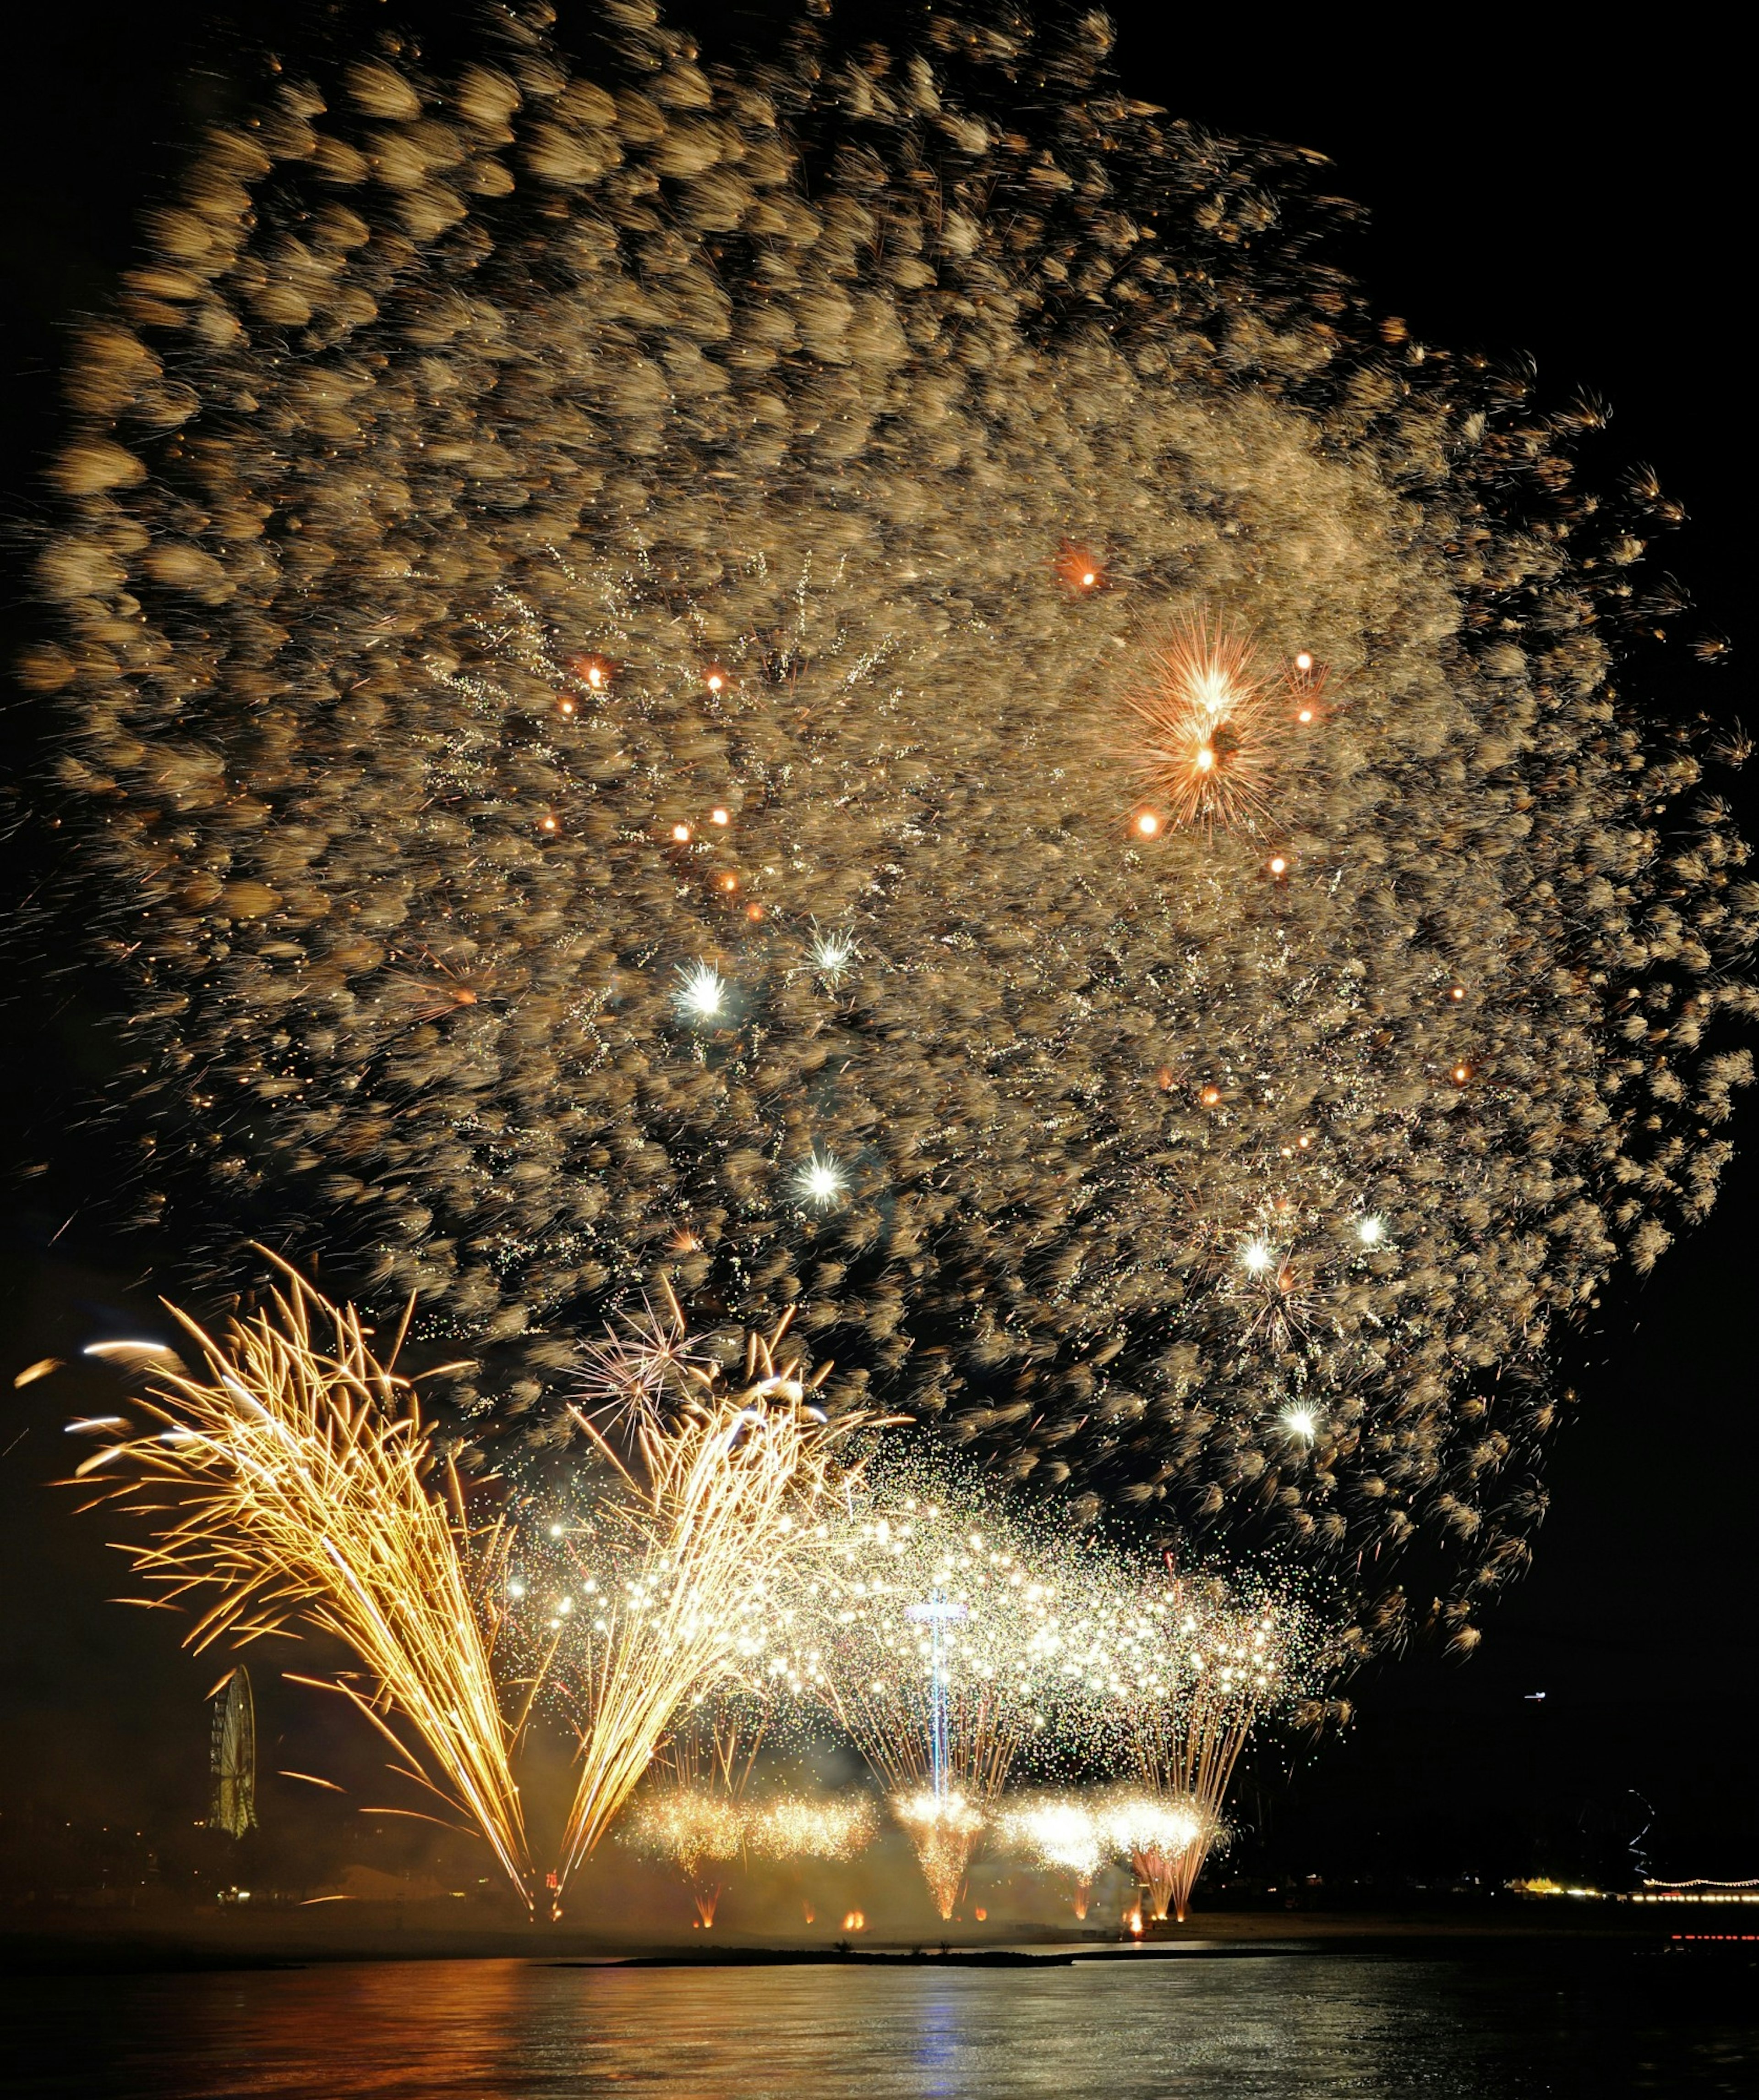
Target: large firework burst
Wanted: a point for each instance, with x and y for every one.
(601, 609)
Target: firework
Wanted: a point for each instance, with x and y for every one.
(1205, 729)
(696, 1831)
(799, 1826)
(293, 1477)
(1191, 1670)
(713, 1500)
(943, 1828)
(601, 526)
(698, 1812)
(1166, 1840)
(942, 1645)
(1060, 1832)
(697, 1817)
(626, 1377)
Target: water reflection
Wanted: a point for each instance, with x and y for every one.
(1313, 2027)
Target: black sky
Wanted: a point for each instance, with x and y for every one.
(1532, 190)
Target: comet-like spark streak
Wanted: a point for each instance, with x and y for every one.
(860, 676)
(293, 1475)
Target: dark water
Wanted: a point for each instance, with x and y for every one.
(1275, 2028)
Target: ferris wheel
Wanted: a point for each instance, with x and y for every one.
(232, 1759)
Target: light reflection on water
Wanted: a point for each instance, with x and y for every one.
(1303, 2027)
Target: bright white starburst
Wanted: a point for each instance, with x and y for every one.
(1301, 1423)
(1256, 1257)
(1371, 1231)
(821, 1180)
(835, 952)
(702, 993)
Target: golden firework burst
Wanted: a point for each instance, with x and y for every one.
(1200, 727)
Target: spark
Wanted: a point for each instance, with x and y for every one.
(835, 952)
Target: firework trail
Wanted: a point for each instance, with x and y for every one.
(857, 678)
(720, 1484)
(1192, 1669)
(294, 1477)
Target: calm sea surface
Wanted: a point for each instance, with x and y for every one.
(1274, 2027)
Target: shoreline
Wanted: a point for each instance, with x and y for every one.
(72, 1944)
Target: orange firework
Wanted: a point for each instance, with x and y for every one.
(1200, 726)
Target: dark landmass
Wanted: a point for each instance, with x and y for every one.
(73, 1942)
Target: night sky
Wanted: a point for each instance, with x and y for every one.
(1576, 204)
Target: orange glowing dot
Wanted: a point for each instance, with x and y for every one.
(1079, 568)
(1279, 865)
(568, 707)
(1147, 824)
(716, 680)
(855, 1922)
(1456, 992)
(1209, 1096)
(1303, 1142)
(681, 834)
(1461, 1074)
(1305, 716)
(1303, 662)
(754, 911)
(729, 882)
(981, 1914)
(549, 823)
(719, 817)
(592, 671)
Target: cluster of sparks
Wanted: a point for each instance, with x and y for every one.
(968, 752)
(699, 1829)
